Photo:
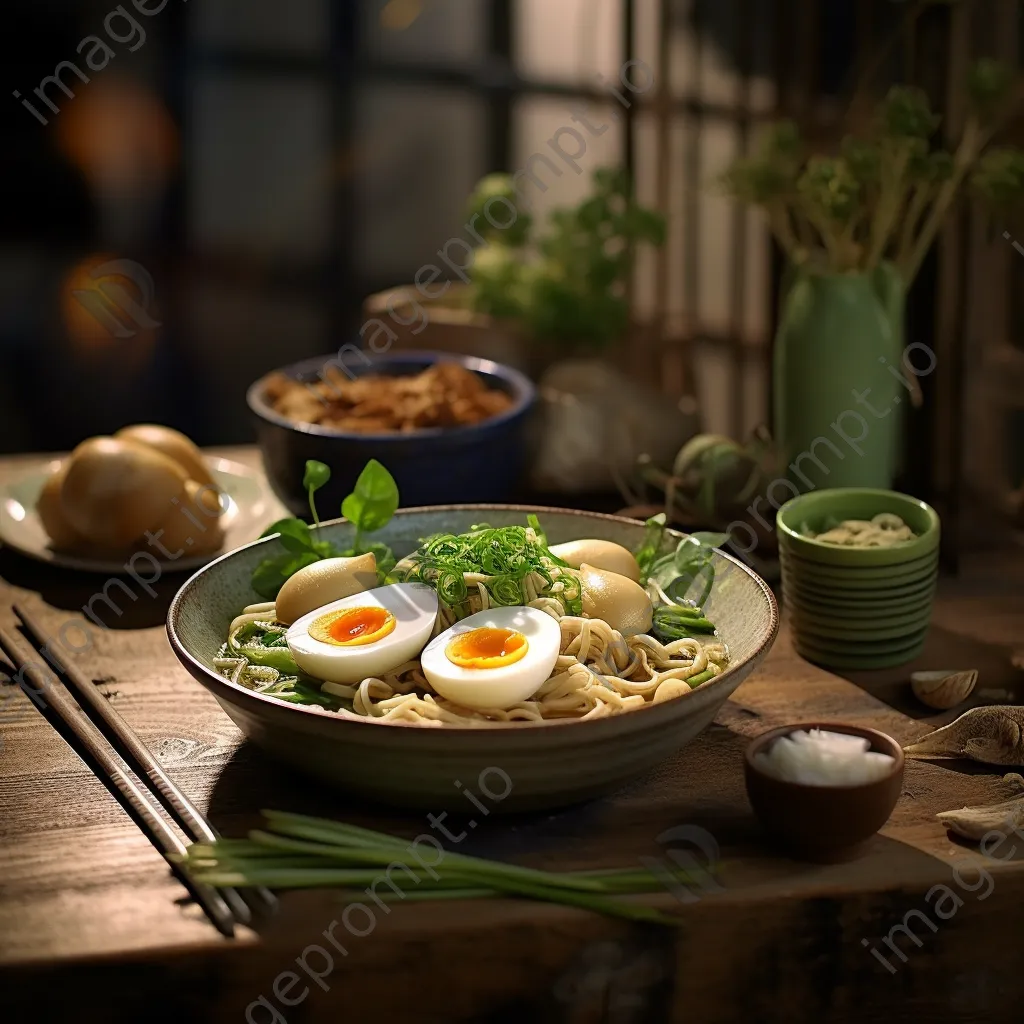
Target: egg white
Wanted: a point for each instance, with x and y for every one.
(414, 606)
(495, 687)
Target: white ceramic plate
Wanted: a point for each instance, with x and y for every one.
(251, 509)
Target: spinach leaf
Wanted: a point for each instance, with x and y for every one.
(316, 475)
(647, 553)
(325, 549)
(369, 508)
(679, 570)
(373, 501)
(274, 527)
(268, 577)
(295, 535)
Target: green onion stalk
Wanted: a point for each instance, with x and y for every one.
(294, 851)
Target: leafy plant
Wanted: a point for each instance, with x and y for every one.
(568, 284)
(884, 195)
(369, 508)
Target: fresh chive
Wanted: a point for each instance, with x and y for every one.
(385, 855)
(338, 855)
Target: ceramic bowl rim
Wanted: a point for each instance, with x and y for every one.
(219, 685)
(522, 388)
(880, 741)
(833, 554)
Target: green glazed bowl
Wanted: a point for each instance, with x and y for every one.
(860, 598)
(897, 587)
(547, 764)
(879, 574)
(859, 661)
(855, 614)
(893, 645)
(816, 507)
(808, 623)
(875, 588)
(815, 630)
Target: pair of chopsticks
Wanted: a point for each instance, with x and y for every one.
(112, 750)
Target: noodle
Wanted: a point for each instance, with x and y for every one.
(599, 672)
(881, 531)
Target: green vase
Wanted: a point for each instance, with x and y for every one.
(838, 396)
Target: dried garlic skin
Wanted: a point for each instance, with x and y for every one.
(943, 689)
(992, 735)
(977, 822)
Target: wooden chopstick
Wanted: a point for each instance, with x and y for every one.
(94, 750)
(141, 760)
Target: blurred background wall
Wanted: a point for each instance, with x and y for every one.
(267, 165)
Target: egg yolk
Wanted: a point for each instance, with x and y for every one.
(353, 627)
(486, 648)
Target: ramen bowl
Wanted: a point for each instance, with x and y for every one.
(546, 764)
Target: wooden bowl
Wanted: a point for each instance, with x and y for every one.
(547, 764)
(823, 823)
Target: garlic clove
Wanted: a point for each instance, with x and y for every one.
(992, 735)
(943, 689)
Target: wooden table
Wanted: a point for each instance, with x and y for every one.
(93, 929)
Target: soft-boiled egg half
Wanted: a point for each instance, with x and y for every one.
(493, 659)
(364, 635)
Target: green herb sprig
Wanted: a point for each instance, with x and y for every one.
(369, 508)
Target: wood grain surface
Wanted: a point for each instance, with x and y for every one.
(93, 928)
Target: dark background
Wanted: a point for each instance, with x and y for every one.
(270, 164)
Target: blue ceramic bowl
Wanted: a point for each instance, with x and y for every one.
(439, 466)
